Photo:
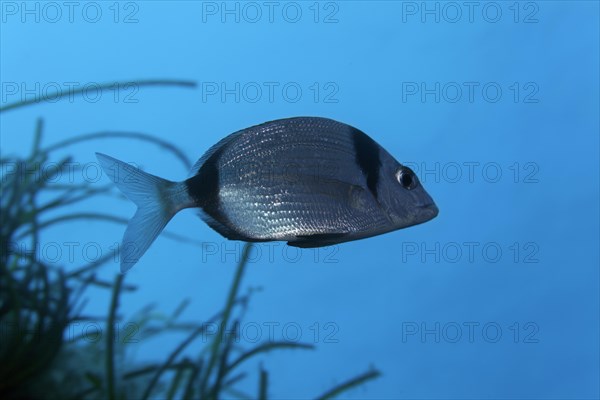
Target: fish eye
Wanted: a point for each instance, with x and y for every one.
(406, 178)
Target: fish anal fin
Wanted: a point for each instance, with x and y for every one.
(318, 240)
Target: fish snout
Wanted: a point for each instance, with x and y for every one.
(428, 212)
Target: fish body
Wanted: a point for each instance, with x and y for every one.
(309, 181)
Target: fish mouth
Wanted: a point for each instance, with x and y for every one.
(428, 212)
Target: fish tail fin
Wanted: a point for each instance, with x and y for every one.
(157, 199)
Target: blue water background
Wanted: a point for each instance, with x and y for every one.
(438, 321)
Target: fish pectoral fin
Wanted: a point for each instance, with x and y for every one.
(318, 240)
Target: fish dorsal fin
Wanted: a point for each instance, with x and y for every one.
(228, 139)
(212, 150)
(254, 128)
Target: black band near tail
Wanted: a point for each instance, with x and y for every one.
(204, 186)
(204, 189)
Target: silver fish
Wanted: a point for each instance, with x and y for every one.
(309, 181)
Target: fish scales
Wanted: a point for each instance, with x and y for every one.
(294, 190)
